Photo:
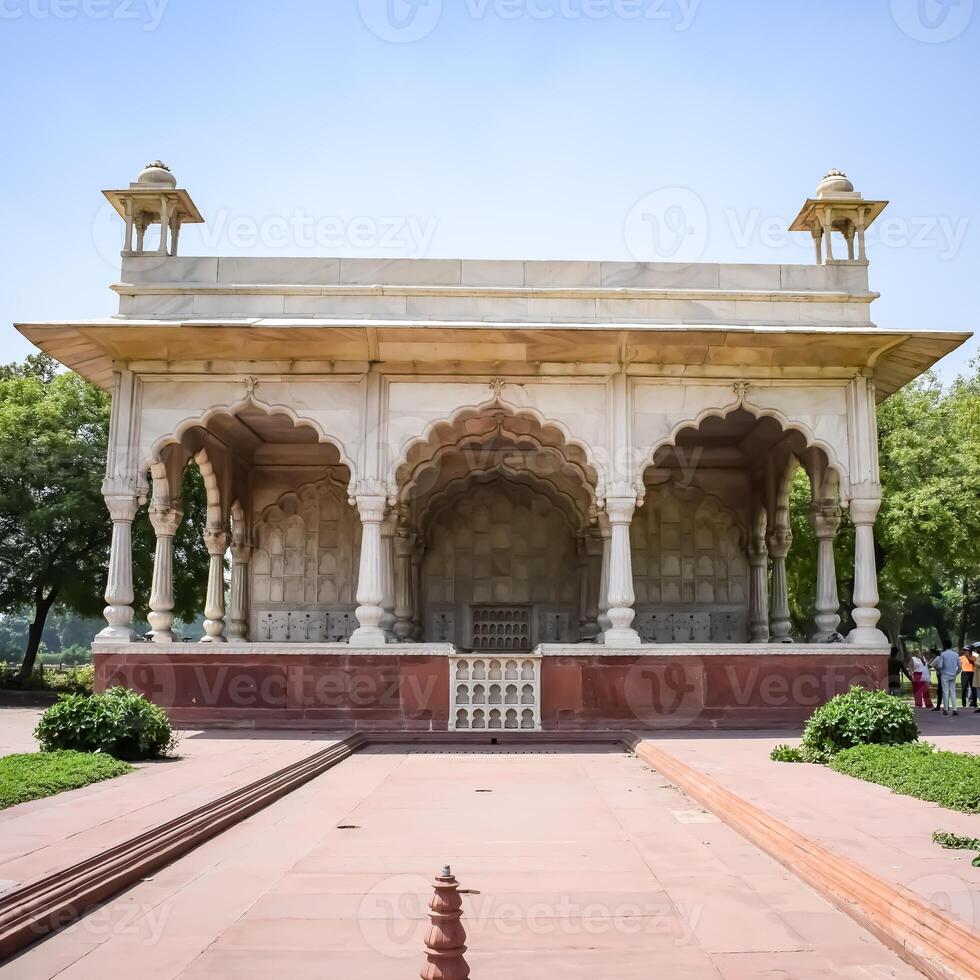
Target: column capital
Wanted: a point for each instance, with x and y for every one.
(825, 519)
(864, 510)
(165, 521)
(779, 541)
(216, 540)
(619, 509)
(371, 507)
(122, 506)
(371, 487)
(241, 553)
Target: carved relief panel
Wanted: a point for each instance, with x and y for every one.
(304, 566)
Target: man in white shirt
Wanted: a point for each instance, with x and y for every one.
(947, 667)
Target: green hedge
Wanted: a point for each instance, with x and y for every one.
(40, 774)
(859, 717)
(120, 722)
(951, 779)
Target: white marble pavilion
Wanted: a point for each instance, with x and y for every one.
(454, 457)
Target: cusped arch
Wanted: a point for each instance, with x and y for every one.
(490, 408)
(571, 473)
(446, 496)
(788, 425)
(201, 421)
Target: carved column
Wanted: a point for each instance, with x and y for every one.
(758, 581)
(216, 541)
(605, 540)
(621, 596)
(866, 614)
(388, 576)
(370, 575)
(241, 555)
(590, 559)
(825, 520)
(119, 584)
(404, 621)
(418, 627)
(779, 542)
(161, 618)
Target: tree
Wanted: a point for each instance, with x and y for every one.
(54, 529)
(929, 526)
(928, 530)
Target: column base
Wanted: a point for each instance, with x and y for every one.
(214, 639)
(162, 636)
(118, 634)
(868, 636)
(621, 636)
(368, 636)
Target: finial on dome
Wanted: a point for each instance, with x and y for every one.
(834, 183)
(156, 174)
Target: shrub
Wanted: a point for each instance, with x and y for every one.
(859, 717)
(77, 680)
(951, 779)
(786, 753)
(39, 774)
(120, 722)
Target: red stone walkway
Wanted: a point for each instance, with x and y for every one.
(586, 864)
(46, 835)
(889, 835)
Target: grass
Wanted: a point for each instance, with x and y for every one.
(40, 774)
(951, 779)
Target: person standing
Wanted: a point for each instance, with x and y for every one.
(967, 691)
(920, 681)
(947, 666)
(931, 665)
(976, 686)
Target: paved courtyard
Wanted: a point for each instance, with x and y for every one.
(582, 861)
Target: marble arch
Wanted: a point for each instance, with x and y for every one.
(460, 424)
(203, 420)
(743, 404)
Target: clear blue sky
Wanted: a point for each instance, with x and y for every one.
(505, 129)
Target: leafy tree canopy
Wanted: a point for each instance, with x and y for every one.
(54, 529)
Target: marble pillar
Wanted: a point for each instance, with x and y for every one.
(866, 613)
(389, 599)
(370, 576)
(119, 584)
(404, 610)
(605, 536)
(621, 596)
(826, 522)
(778, 543)
(241, 556)
(216, 541)
(161, 617)
(758, 557)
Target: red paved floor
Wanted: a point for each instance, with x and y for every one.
(890, 835)
(587, 864)
(47, 835)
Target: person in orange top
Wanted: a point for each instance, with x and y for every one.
(968, 691)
